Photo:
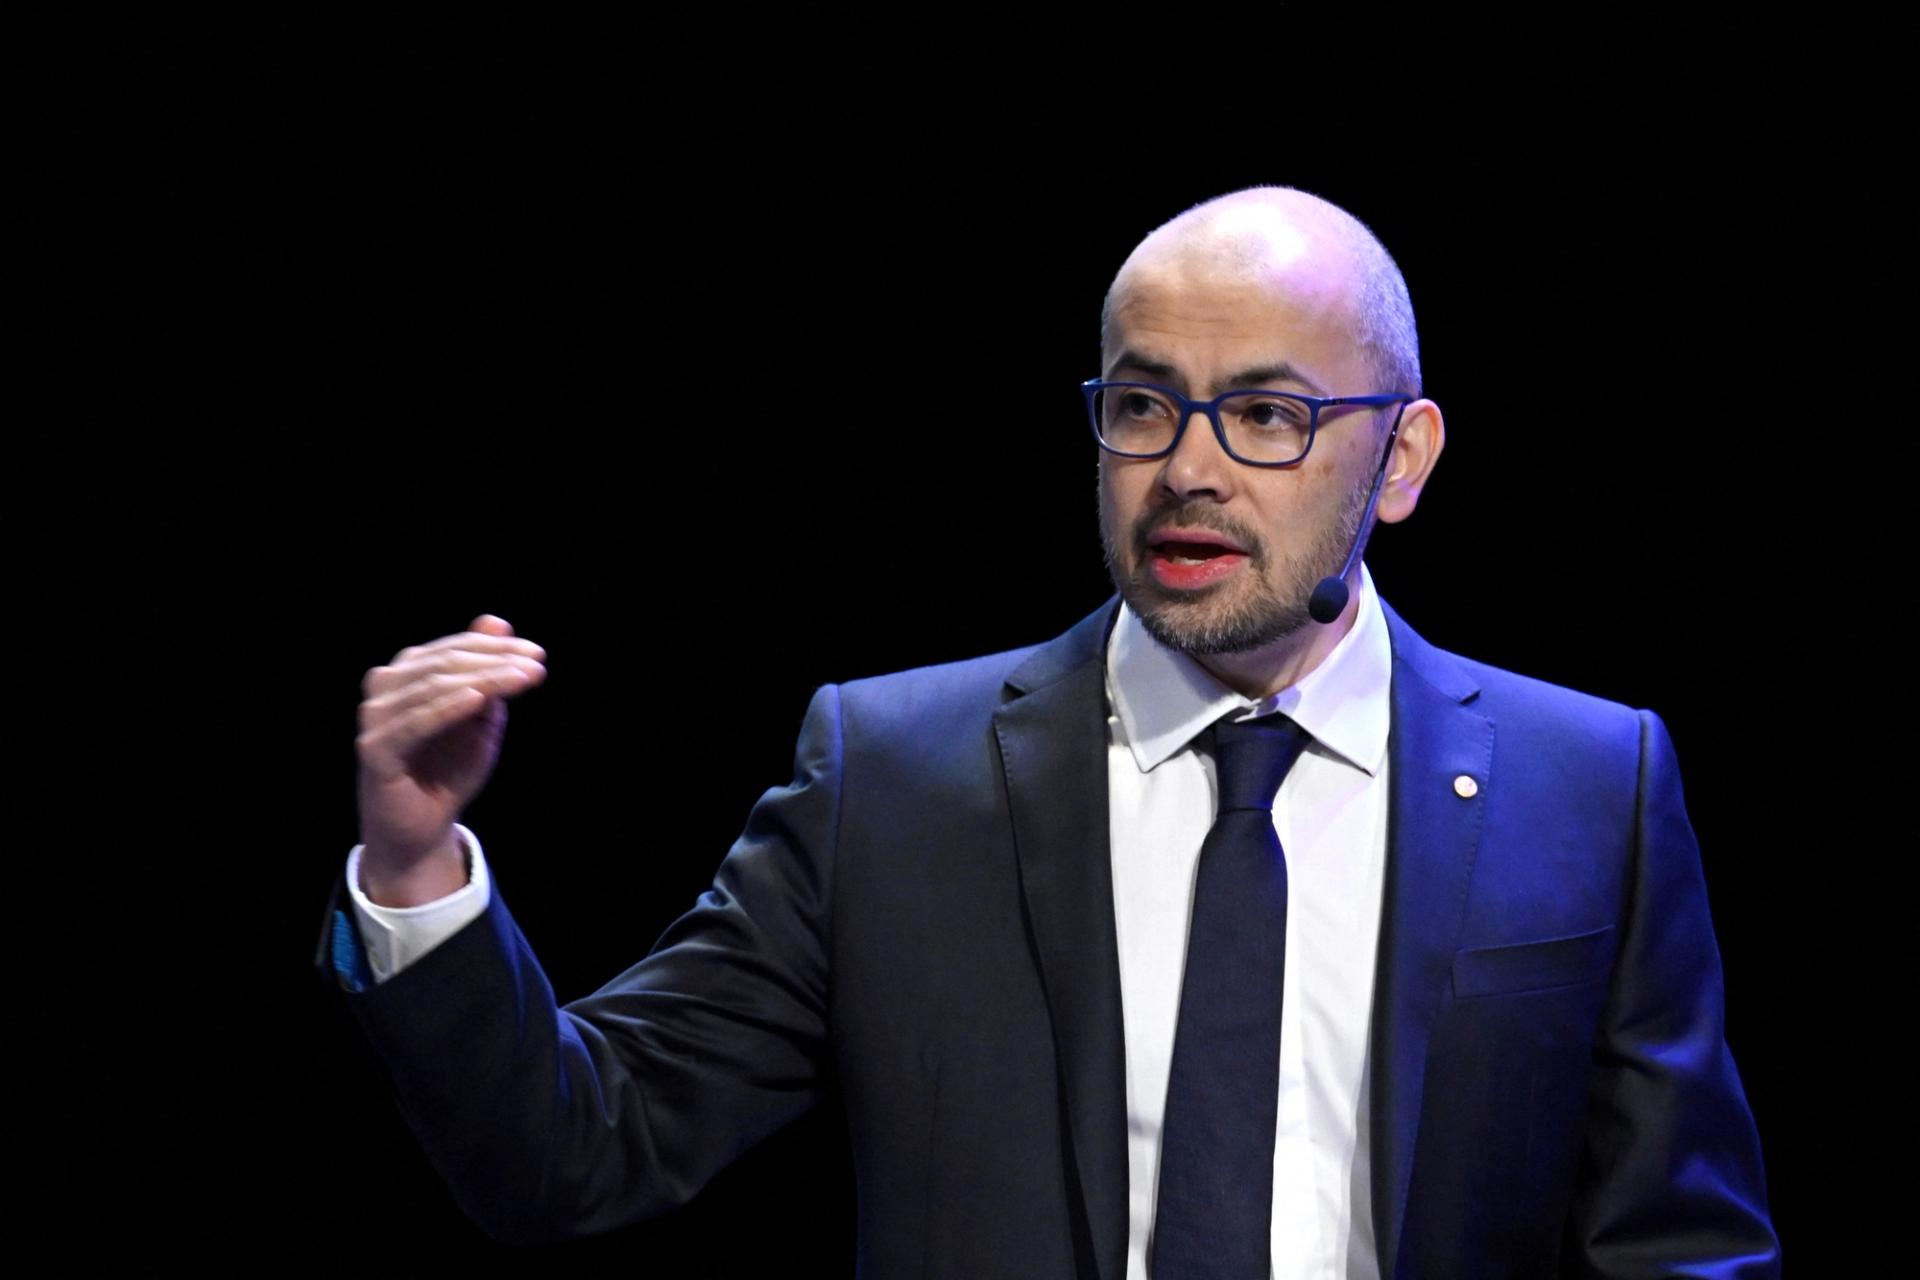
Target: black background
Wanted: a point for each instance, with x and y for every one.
(668, 341)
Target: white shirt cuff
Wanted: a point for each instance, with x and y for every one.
(395, 937)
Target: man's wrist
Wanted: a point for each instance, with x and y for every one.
(398, 881)
(394, 937)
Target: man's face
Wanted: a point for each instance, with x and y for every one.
(1214, 556)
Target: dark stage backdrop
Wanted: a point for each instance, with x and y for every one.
(676, 349)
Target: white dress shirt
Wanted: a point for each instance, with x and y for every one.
(1331, 817)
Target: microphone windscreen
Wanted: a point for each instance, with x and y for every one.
(1327, 600)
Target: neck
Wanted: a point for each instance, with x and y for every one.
(1256, 673)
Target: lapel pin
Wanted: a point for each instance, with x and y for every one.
(1465, 787)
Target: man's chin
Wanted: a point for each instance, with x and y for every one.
(1202, 624)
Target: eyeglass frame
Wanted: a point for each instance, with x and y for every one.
(1092, 387)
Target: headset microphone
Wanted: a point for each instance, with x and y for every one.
(1329, 599)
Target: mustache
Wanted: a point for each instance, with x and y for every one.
(1199, 515)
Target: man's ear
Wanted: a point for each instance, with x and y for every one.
(1415, 451)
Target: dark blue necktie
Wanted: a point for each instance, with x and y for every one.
(1214, 1214)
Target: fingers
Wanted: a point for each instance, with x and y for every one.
(467, 650)
(382, 682)
(478, 641)
(385, 746)
(428, 689)
(396, 724)
(486, 634)
(402, 689)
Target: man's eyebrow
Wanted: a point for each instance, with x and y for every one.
(1264, 376)
(1152, 368)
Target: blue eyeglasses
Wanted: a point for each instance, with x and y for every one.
(1257, 428)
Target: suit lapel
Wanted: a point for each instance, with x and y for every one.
(1053, 751)
(1433, 834)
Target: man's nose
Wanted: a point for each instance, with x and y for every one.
(1198, 465)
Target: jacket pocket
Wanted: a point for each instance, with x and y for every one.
(1532, 966)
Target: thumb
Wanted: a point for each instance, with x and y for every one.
(491, 624)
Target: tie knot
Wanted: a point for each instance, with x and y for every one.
(1251, 758)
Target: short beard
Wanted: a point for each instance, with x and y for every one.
(1194, 622)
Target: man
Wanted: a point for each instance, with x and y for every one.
(1235, 928)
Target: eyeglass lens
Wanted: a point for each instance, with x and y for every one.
(1261, 426)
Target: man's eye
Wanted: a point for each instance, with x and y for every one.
(1138, 404)
(1274, 415)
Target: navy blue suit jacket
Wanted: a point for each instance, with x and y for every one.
(923, 921)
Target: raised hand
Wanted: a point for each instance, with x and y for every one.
(430, 727)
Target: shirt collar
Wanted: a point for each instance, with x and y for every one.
(1165, 699)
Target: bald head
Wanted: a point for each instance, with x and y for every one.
(1288, 239)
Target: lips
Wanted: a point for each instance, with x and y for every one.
(1193, 542)
(1185, 558)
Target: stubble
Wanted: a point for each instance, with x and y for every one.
(1256, 609)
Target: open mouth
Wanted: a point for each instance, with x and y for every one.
(1193, 552)
(1188, 559)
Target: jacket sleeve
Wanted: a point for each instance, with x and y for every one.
(550, 1122)
(1671, 1182)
